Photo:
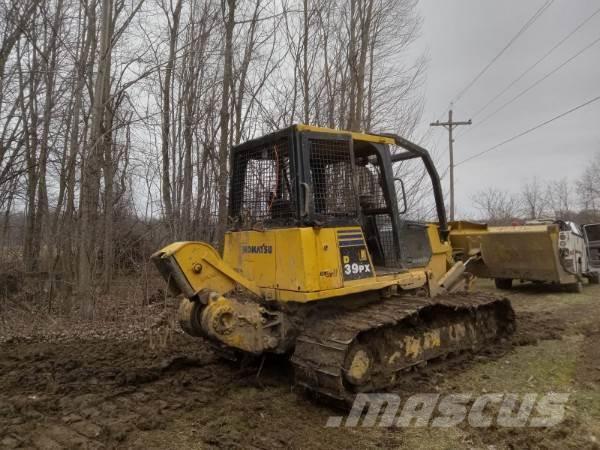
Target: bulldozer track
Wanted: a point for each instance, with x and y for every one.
(322, 349)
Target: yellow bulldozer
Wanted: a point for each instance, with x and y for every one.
(320, 263)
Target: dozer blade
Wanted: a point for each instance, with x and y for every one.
(528, 253)
(367, 350)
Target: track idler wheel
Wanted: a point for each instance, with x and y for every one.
(358, 365)
(189, 317)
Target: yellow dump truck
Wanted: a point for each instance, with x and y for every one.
(556, 252)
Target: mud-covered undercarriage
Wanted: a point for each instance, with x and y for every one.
(358, 344)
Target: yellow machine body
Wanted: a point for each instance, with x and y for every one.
(290, 265)
(293, 265)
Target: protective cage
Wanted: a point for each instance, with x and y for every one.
(263, 186)
(346, 184)
(331, 167)
(272, 175)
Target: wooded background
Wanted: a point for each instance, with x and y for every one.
(117, 116)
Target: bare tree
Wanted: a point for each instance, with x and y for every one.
(107, 122)
(228, 11)
(173, 14)
(15, 18)
(100, 139)
(534, 199)
(495, 206)
(588, 186)
(90, 187)
(559, 194)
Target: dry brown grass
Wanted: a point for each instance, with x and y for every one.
(134, 309)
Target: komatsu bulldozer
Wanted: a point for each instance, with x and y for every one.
(320, 263)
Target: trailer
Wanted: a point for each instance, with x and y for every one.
(557, 252)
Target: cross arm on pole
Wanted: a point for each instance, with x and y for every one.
(451, 124)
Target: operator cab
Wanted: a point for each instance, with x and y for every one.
(317, 177)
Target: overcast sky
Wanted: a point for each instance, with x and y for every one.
(461, 37)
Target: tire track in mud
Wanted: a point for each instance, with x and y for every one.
(110, 393)
(106, 394)
(98, 394)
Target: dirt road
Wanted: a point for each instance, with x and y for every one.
(119, 392)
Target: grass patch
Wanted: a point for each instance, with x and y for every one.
(548, 366)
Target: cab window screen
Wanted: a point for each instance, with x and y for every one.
(332, 178)
(262, 190)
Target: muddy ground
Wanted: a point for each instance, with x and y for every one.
(161, 389)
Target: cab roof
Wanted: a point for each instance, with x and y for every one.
(357, 136)
(269, 137)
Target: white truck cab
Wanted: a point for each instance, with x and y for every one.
(578, 248)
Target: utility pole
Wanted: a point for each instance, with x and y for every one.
(449, 126)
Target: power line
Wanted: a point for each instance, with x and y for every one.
(524, 28)
(450, 125)
(535, 83)
(535, 64)
(527, 24)
(523, 133)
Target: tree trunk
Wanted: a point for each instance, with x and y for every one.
(75, 141)
(352, 66)
(365, 27)
(50, 57)
(224, 120)
(305, 86)
(31, 244)
(166, 120)
(90, 187)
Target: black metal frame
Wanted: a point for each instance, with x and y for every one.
(304, 213)
(238, 173)
(414, 151)
(312, 218)
(384, 162)
(389, 191)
